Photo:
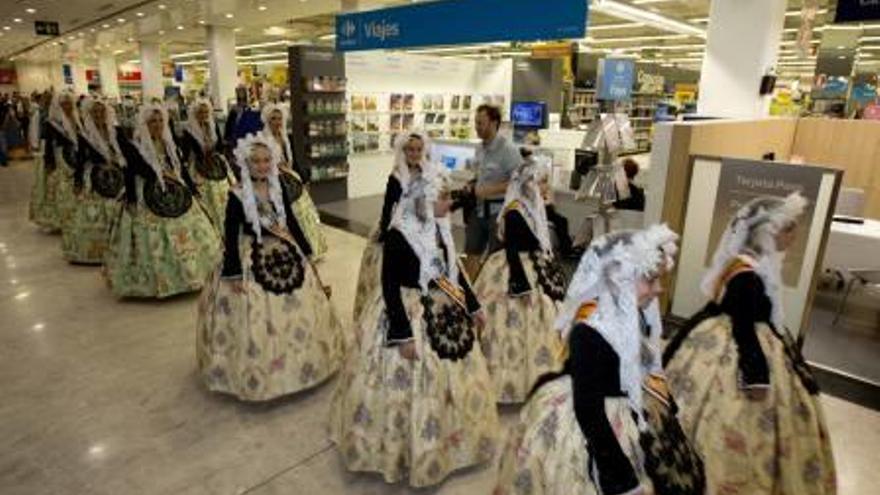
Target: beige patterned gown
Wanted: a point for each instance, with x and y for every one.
(261, 344)
(420, 420)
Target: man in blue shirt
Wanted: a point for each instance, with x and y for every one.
(496, 160)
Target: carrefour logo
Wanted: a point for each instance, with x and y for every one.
(348, 29)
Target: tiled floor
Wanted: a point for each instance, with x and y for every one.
(99, 396)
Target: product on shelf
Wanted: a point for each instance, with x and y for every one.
(371, 103)
(408, 121)
(456, 99)
(357, 103)
(466, 102)
(408, 102)
(396, 102)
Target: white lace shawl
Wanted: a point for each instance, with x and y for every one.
(61, 121)
(751, 233)
(108, 147)
(247, 195)
(197, 129)
(147, 148)
(525, 188)
(608, 274)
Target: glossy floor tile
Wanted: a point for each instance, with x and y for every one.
(99, 396)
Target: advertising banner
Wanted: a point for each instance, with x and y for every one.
(450, 22)
(616, 79)
(744, 180)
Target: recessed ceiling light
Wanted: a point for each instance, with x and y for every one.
(161, 33)
(71, 38)
(17, 19)
(7, 28)
(236, 30)
(81, 34)
(120, 20)
(180, 28)
(92, 30)
(229, 15)
(262, 8)
(202, 22)
(139, 14)
(105, 26)
(30, 11)
(161, 6)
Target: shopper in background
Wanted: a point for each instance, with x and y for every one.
(606, 424)
(5, 111)
(415, 398)
(163, 243)
(520, 287)
(410, 158)
(633, 196)
(266, 327)
(202, 149)
(293, 178)
(53, 182)
(748, 399)
(98, 185)
(496, 160)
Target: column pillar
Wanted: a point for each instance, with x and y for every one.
(224, 68)
(151, 71)
(56, 75)
(109, 77)
(80, 81)
(742, 45)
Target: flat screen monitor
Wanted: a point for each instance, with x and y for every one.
(528, 113)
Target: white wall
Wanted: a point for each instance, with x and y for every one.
(36, 76)
(380, 74)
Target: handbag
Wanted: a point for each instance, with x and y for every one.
(213, 167)
(449, 327)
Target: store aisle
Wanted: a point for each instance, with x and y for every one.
(99, 396)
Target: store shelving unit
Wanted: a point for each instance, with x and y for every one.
(584, 108)
(642, 111)
(319, 108)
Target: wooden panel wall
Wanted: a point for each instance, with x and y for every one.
(744, 139)
(849, 145)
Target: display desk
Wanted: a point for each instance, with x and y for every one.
(852, 245)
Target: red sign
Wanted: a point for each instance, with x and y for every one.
(7, 76)
(129, 76)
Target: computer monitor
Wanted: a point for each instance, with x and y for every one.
(531, 114)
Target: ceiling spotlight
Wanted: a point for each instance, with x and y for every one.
(161, 6)
(120, 20)
(202, 22)
(105, 26)
(261, 8)
(236, 30)
(230, 15)
(92, 30)
(180, 28)
(139, 14)
(17, 19)
(7, 28)
(161, 32)
(31, 11)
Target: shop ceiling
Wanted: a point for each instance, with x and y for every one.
(264, 27)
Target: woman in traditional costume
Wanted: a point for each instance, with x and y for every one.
(294, 179)
(203, 153)
(606, 424)
(266, 326)
(163, 243)
(521, 287)
(98, 185)
(410, 156)
(415, 398)
(53, 186)
(747, 398)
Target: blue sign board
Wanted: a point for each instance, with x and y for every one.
(449, 22)
(857, 10)
(616, 79)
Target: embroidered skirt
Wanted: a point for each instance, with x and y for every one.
(86, 237)
(264, 344)
(156, 257)
(519, 341)
(778, 445)
(43, 208)
(420, 420)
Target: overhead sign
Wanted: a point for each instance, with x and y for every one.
(616, 79)
(552, 50)
(46, 28)
(449, 22)
(857, 10)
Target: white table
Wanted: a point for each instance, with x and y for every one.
(852, 245)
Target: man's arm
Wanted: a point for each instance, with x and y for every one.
(491, 191)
